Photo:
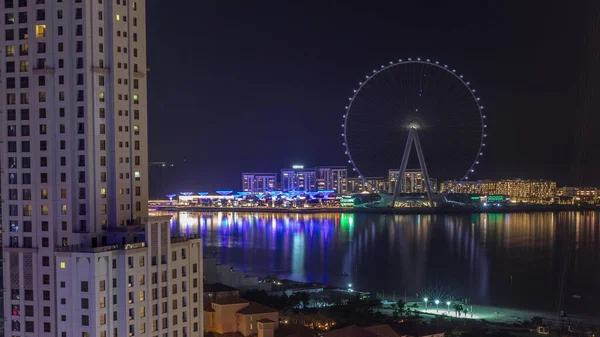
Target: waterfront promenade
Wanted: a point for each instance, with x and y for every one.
(511, 208)
(500, 315)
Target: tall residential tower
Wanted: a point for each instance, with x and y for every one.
(74, 178)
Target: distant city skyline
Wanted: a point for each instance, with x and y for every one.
(267, 99)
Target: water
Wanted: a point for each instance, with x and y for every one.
(512, 260)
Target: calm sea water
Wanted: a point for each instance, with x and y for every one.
(529, 261)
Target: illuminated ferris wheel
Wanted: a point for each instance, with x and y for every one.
(414, 112)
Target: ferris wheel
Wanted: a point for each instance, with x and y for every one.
(416, 102)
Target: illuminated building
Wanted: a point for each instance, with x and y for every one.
(518, 190)
(368, 184)
(332, 178)
(227, 314)
(259, 182)
(413, 181)
(539, 191)
(485, 187)
(582, 194)
(74, 172)
(298, 179)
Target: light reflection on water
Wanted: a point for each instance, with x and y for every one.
(501, 259)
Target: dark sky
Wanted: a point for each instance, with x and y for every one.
(257, 85)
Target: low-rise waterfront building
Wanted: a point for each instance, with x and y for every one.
(518, 190)
(579, 194)
(484, 187)
(537, 191)
(225, 312)
(225, 274)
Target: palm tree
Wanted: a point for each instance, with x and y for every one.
(304, 298)
(458, 308)
(537, 321)
(394, 307)
(401, 307)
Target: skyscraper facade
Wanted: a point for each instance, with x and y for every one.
(74, 178)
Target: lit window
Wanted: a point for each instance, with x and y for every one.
(118, 17)
(63, 265)
(40, 30)
(137, 175)
(101, 96)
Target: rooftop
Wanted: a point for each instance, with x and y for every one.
(178, 239)
(294, 330)
(351, 331)
(208, 307)
(128, 246)
(229, 300)
(256, 308)
(126, 229)
(414, 329)
(404, 329)
(101, 249)
(218, 288)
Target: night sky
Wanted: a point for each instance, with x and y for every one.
(256, 86)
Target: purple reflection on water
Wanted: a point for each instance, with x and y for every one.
(456, 255)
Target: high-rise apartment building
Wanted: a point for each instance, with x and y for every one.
(259, 182)
(367, 184)
(298, 179)
(332, 178)
(79, 262)
(413, 181)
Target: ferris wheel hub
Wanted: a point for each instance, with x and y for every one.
(414, 126)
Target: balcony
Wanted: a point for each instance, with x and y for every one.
(43, 69)
(108, 248)
(101, 70)
(179, 239)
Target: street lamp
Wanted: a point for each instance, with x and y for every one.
(425, 299)
(448, 304)
(437, 305)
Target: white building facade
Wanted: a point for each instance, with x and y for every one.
(259, 182)
(332, 178)
(74, 175)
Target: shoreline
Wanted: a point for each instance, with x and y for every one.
(388, 210)
(505, 316)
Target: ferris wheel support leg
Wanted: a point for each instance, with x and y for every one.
(400, 178)
(423, 168)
